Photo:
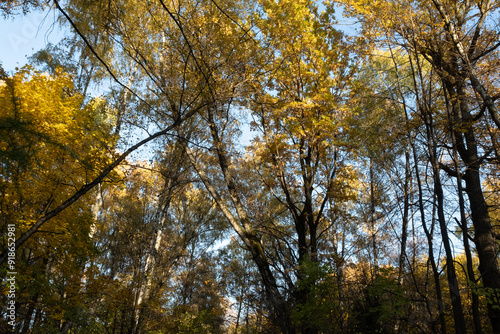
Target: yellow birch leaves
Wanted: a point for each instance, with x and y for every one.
(51, 144)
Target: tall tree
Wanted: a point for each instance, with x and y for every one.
(297, 108)
(52, 143)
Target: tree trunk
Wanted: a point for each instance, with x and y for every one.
(485, 244)
(373, 230)
(242, 226)
(406, 209)
(467, 147)
(456, 301)
(465, 235)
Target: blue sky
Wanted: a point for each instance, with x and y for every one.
(22, 36)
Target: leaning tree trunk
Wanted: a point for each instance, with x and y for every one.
(243, 227)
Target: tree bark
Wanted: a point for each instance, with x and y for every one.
(242, 226)
(406, 210)
(467, 147)
(456, 301)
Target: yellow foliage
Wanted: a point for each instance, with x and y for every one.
(51, 144)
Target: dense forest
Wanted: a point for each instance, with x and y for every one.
(253, 166)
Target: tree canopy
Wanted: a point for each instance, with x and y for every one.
(228, 166)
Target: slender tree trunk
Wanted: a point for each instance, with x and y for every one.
(406, 210)
(373, 218)
(144, 289)
(456, 301)
(417, 77)
(238, 315)
(429, 236)
(476, 315)
(29, 314)
(417, 74)
(149, 268)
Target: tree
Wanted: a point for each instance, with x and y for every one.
(51, 145)
(301, 129)
(175, 105)
(152, 235)
(457, 40)
(364, 145)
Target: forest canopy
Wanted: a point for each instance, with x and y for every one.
(267, 166)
